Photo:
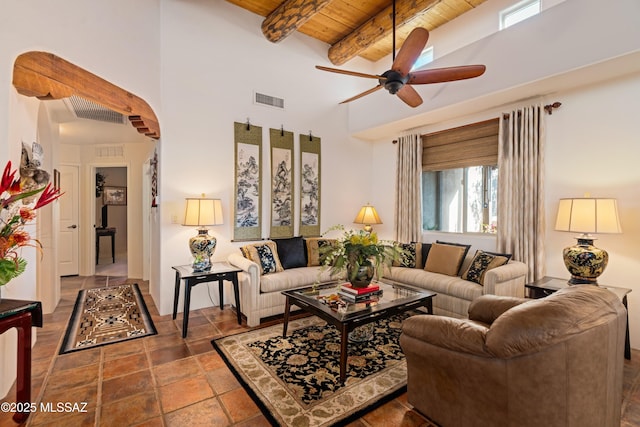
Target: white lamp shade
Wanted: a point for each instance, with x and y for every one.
(203, 212)
(586, 215)
(367, 215)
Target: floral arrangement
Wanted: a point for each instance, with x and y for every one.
(17, 208)
(355, 249)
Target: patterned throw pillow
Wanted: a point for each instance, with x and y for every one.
(314, 245)
(411, 255)
(265, 255)
(481, 263)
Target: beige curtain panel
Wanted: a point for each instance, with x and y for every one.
(409, 190)
(521, 220)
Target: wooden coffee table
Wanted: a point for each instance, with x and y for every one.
(396, 298)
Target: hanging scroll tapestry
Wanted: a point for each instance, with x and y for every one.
(248, 185)
(309, 185)
(281, 183)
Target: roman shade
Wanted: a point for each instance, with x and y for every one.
(465, 146)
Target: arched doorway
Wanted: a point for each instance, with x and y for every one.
(48, 77)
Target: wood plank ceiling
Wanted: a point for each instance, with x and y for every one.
(353, 27)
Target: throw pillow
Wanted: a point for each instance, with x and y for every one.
(292, 252)
(313, 249)
(507, 256)
(411, 255)
(265, 255)
(426, 247)
(445, 259)
(481, 263)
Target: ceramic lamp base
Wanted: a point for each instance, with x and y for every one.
(585, 262)
(202, 248)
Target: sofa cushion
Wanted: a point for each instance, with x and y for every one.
(264, 254)
(292, 252)
(445, 258)
(314, 245)
(411, 255)
(294, 278)
(441, 284)
(481, 263)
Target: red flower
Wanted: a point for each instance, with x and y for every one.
(21, 237)
(48, 195)
(7, 178)
(27, 214)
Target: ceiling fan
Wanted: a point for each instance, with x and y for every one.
(399, 78)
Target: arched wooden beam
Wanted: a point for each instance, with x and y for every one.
(289, 16)
(375, 29)
(47, 76)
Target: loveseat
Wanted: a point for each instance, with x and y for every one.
(272, 266)
(555, 361)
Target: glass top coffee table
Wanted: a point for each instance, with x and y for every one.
(323, 302)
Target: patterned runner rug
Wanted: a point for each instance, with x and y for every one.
(105, 316)
(295, 380)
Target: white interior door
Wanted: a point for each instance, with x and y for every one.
(69, 239)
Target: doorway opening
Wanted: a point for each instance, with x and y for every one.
(111, 221)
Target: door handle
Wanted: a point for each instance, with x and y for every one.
(72, 226)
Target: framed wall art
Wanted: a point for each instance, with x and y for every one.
(309, 185)
(247, 224)
(282, 199)
(114, 196)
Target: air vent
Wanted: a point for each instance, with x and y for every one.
(110, 151)
(271, 101)
(85, 109)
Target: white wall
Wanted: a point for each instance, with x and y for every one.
(213, 57)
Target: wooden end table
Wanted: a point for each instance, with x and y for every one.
(219, 271)
(548, 285)
(21, 315)
(396, 298)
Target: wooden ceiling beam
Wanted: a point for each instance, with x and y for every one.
(376, 29)
(47, 76)
(289, 16)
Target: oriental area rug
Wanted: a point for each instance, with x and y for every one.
(107, 315)
(295, 380)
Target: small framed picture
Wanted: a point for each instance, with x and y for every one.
(114, 196)
(56, 179)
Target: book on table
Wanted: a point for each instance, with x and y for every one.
(359, 298)
(348, 287)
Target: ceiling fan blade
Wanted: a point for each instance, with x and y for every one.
(350, 73)
(439, 75)
(360, 95)
(409, 96)
(410, 50)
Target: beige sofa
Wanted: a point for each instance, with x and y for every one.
(555, 361)
(260, 294)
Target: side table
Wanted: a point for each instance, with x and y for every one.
(111, 232)
(21, 315)
(219, 271)
(548, 285)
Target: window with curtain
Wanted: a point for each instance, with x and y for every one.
(460, 179)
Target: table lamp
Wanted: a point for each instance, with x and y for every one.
(367, 216)
(587, 215)
(202, 212)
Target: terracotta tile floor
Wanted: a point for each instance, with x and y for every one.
(164, 380)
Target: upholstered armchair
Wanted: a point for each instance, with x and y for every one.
(555, 361)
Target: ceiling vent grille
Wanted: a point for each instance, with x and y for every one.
(268, 100)
(110, 151)
(85, 109)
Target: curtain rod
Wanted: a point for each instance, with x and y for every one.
(548, 108)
